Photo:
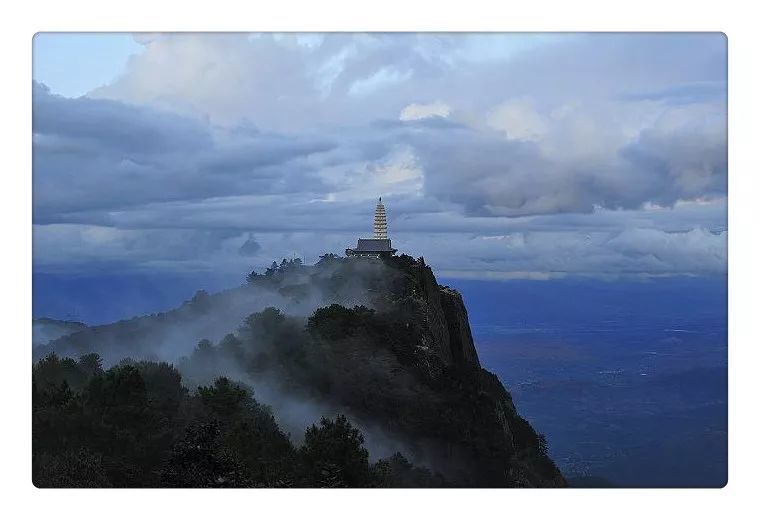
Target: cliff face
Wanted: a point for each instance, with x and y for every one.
(460, 342)
(495, 445)
(403, 365)
(446, 318)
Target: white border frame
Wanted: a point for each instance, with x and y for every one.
(328, 15)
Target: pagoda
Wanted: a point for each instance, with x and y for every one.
(379, 245)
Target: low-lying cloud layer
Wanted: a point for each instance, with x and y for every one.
(498, 155)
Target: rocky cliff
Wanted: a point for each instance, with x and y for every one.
(447, 317)
(460, 336)
(471, 419)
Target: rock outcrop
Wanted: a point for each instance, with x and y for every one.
(460, 336)
(493, 445)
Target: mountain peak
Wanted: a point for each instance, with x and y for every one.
(375, 339)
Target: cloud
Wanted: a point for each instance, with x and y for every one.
(222, 77)
(549, 254)
(292, 83)
(544, 254)
(684, 94)
(681, 156)
(591, 153)
(92, 154)
(518, 120)
(418, 111)
(695, 251)
(113, 125)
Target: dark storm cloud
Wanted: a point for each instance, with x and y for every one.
(107, 155)
(114, 126)
(260, 151)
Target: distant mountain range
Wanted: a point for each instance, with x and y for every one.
(45, 330)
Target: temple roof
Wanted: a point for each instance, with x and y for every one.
(373, 244)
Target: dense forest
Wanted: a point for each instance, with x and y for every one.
(399, 367)
(136, 425)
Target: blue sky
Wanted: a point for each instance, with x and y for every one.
(72, 64)
(498, 156)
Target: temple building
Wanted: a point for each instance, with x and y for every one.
(379, 245)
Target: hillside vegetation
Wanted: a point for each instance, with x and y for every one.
(352, 372)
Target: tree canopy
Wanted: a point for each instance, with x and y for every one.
(135, 425)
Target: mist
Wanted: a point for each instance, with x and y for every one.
(192, 337)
